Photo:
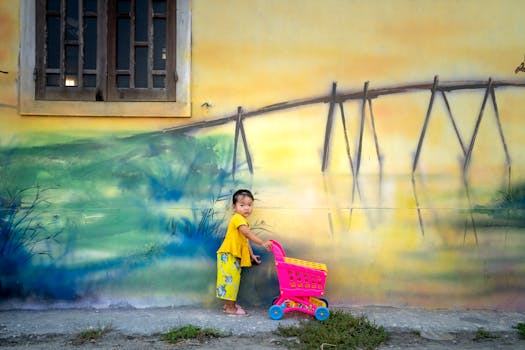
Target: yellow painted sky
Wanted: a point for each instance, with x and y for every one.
(275, 50)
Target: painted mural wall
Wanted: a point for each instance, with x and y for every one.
(381, 138)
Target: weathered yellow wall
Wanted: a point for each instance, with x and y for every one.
(260, 52)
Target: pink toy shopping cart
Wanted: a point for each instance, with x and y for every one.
(301, 285)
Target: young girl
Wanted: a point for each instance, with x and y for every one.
(236, 252)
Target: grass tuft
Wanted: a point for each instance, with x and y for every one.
(175, 335)
(521, 329)
(91, 335)
(483, 334)
(341, 330)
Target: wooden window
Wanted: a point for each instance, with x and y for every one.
(106, 50)
(46, 61)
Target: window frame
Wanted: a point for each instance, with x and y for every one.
(30, 105)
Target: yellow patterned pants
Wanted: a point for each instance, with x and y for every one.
(228, 276)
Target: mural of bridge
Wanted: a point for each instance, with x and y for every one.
(366, 96)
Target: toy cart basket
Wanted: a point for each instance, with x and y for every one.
(301, 285)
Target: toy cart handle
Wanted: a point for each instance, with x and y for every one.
(277, 249)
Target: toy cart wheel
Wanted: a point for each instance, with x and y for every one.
(322, 313)
(274, 300)
(276, 312)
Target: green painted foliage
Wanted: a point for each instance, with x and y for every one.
(112, 205)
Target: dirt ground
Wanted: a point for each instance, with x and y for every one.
(397, 341)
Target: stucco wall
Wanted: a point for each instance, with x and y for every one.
(417, 213)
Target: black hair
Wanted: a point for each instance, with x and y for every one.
(241, 192)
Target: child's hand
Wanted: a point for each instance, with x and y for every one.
(267, 245)
(256, 259)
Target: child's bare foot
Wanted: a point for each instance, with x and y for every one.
(239, 311)
(236, 305)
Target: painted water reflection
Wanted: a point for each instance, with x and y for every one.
(384, 248)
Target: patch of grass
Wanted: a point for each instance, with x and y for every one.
(521, 329)
(341, 331)
(91, 335)
(175, 335)
(483, 334)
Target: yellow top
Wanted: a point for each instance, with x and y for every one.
(235, 242)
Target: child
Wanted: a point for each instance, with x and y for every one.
(236, 252)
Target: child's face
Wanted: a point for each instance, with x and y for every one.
(244, 206)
